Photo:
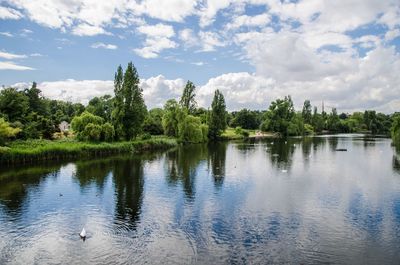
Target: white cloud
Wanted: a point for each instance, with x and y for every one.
(210, 40)
(198, 63)
(89, 30)
(157, 90)
(157, 31)
(36, 54)
(104, 46)
(171, 10)
(9, 13)
(7, 34)
(208, 12)
(249, 21)
(13, 66)
(157, 39)
(11, 56)
(188, 38)
(392, 34)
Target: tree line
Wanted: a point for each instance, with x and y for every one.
(26, 114)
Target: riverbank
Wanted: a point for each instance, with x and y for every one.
(42, 150)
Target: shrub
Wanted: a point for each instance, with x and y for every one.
(145, 136)
(107, 132)
(92, 132)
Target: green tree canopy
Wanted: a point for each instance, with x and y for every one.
(217, 123)
(188, 97)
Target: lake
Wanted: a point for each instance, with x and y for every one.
(296, 201)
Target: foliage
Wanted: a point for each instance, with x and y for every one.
(246, 119)
(129, 108)
(395, 130)
(101, 106)
(190, 130)
(6, 131)
(280, 117)
(217, 123)
(153, 122)
(14, 104)
(170, 118)
(36, 150)
(188, 97)
(307, 112)
(107, 132)
(92, 132)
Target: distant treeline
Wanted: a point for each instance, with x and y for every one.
(26, 114)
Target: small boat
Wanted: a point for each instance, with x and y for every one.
(83, 234)
(341, 150)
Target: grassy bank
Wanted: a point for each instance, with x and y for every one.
(42, 150)
(231, 134)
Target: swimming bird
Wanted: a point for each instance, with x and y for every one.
(83, 234)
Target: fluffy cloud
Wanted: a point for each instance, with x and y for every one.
(13, 66)
(9, 13)
(103, 46)
(157, 39)
(11, 56)
(89, 30)
(7, 34)
(156, 90)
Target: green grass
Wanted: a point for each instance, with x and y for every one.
(41, 150)
(230, 134)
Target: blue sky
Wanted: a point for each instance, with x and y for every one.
(345, 53)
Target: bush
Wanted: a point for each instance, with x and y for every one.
(107, 132)
(204, 131)
(92, 132)
(239, 130)
(190, 130)
(308, 129)
(145, 136)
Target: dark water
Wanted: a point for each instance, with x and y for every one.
(299, 202)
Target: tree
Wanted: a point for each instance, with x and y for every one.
(84, 128)
(395, 130)
(153, 122)
(307, 112)
(170, 118)
(101, 106)
(191, 130)
(333, 123)
(318, 122)
(281, 112)
(36, 102)
(129, 109)
(118, 110)
(6, 131)
(246, 119)
(14, 104)
(188, 97)
(217, 123)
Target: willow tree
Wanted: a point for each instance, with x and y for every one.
(129, 108)
(188, 97)
(217, 123)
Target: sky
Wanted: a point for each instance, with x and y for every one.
(345, 53)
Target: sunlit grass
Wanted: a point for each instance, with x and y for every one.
(35, 150)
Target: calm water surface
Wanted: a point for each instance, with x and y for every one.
(266, 201)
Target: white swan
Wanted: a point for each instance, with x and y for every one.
(83, 233)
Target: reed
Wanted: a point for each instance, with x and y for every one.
(41, 150)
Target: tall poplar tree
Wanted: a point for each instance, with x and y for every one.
(188, 97)
(217, 122)
(117, 112)
(130, 110)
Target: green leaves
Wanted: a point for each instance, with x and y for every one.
(217, 123)
(129, 108)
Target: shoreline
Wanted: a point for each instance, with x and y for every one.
(28, 152)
